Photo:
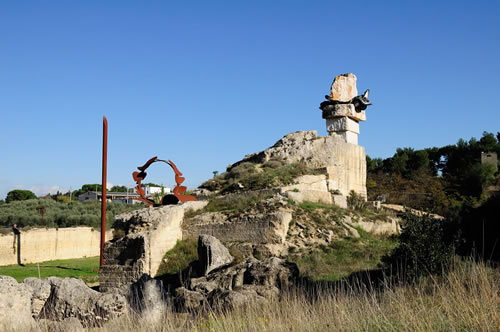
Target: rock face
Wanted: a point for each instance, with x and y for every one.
(212, 254)
(230, 286)
(70, 297)
(150, 232)
(343, 164)
(344, 88)
(265, 229)
(55, 299)
(15, 304)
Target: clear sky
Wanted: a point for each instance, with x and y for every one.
(205, 82)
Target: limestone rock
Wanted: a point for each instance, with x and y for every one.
(344, 88)
(212, 254)
(345, 163)
(70, 297)
(150, 233)
(339, 110)
(342, 124)
(257, 228)
(187, 300)
(41, 292)
(313, 196)
(248, 282)
(15, 305)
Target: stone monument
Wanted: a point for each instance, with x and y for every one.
(344, 109)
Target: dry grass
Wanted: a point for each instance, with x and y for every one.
(467, 299)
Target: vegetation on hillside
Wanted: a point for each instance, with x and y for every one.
(464, 299)
(251, 176)
(59, 214)
(441, 180)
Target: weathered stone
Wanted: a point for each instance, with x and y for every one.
(70, 297)
(272, 271)
(212, 254)
(41, 292)
(342, 124)
(345, 163)
(313, 196)
(258, 228)
(344, 88)
(187, 300)
(150, 233)
(228, 299)
(339, 110)
(308, 182)
(340, 201)
(15, 305)
(352, 231)
(347, 136)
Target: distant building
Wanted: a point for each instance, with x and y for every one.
(490, 158)
(122, 197)
(110, 197)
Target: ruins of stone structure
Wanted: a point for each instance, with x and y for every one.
(339, 166)
(343, 109)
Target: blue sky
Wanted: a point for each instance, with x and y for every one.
(204, 83)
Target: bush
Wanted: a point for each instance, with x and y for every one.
(423, 247)
(355, 201)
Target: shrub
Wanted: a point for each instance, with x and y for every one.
(356, 201)
(423, 248)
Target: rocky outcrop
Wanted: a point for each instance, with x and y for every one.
(212, 254)
(149, 234)
(15, 304)
(56, 299)
(230, 286)
(343, 164)
(70, 297)
(261, 229)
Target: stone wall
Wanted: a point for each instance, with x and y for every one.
(150, 233)
(267, 228)
(46, 244)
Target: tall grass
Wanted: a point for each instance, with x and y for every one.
(465, 299)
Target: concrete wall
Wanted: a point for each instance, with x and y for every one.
(41, 244)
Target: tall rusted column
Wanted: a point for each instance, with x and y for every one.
(104, 169)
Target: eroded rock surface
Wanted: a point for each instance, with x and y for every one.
(250, 281)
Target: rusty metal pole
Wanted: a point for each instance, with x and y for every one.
(104, 170)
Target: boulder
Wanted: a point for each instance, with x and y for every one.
(212, 254)
(70, 297)
(15, 305)
(187, 300)
(344, 88)
(248, 282)
(41, 292)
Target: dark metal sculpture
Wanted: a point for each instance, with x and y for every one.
(178, 192)
(360, 103)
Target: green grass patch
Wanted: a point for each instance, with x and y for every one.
(179, 257)
(343, 257)
(82, 268)
(231, 204)
(251, 176)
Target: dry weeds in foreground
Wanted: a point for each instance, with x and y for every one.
(467, 299)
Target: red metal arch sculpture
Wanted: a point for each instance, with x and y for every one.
(167, 199)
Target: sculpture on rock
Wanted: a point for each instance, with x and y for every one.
(343, 109)
(167, 199)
